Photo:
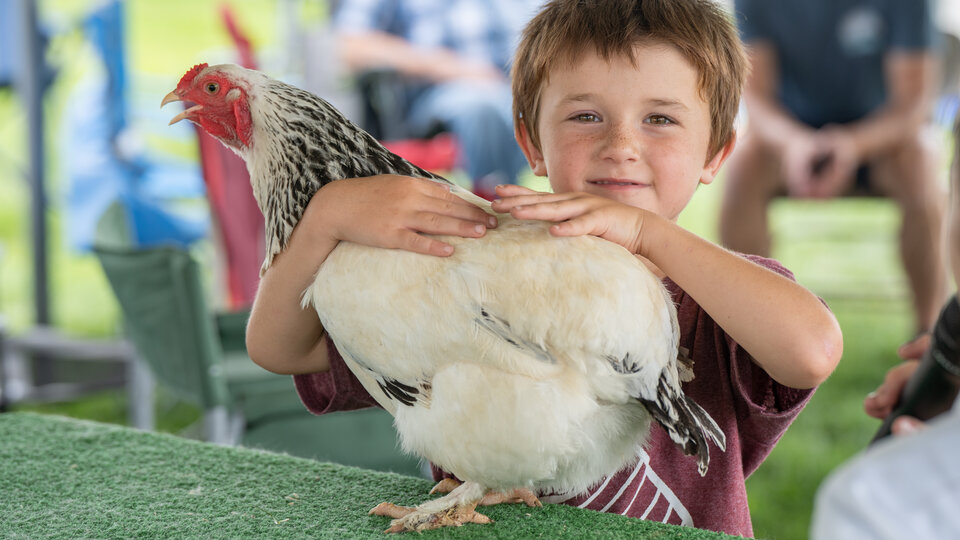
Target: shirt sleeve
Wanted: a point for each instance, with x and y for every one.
(911, 26)
(764, 407)
(335, 390)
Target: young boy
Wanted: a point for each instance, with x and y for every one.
(627, 106)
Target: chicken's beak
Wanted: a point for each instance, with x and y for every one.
(187, 114)
(169, 98)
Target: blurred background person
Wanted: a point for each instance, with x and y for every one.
(449, 62)
(839, 102)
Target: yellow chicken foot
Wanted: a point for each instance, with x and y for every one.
(445, 486)
(518, 495)
(452, 510)
(390, 510)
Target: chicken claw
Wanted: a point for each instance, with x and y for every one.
(390, 510)
(410, 519)
(518, 495)
(452, 510)
(445, 486)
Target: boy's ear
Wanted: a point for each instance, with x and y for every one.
(530, 150)
(712, 167)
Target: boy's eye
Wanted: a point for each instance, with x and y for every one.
(586, 117)
(659, 120)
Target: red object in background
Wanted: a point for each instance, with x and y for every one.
(237, 219)
(436, 154)
(236, 215)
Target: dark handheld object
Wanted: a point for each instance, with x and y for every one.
(934, 385)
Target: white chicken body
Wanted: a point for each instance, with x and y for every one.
(512, 400)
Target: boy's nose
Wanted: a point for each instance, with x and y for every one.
(621, 144)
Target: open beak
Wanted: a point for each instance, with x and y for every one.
(187, 114)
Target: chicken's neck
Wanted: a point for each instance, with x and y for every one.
(301, 144)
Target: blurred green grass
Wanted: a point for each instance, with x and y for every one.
(845, 251)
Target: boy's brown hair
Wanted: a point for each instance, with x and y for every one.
(699, 29)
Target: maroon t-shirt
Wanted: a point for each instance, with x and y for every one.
(752, 409)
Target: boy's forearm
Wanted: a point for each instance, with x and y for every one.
(784, 327)
(282, 337)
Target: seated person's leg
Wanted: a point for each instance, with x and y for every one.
(752, 179)
(908, 176)
(480, 117)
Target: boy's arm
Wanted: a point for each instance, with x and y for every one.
(382, 211)
(784, 327)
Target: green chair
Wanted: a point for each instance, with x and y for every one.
(197, 356)
(201, 358)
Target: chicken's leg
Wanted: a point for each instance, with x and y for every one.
(518, 495)
(454, 509)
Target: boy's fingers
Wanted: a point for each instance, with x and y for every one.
(451, 204)
(509, 203)
(442, 224)
(425, 245)
(467, 211)
(547, 207)
(509, 190)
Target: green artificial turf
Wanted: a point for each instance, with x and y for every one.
(67, 478)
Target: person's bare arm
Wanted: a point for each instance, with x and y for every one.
(784, 327)
(372, 50)
(912, 80)
(768, 118)
(794, 142)
(281, 336)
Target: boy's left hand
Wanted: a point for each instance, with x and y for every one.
(576, 214)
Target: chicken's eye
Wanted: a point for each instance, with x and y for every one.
(212, 88)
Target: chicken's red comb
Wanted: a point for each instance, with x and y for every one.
(190, 75)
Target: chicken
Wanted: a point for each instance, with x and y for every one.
(522, 363)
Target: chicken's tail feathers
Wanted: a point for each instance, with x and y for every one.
(704, 427)
(686, 422)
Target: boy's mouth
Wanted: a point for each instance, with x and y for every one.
(615, 182)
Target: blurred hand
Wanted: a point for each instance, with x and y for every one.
(838, 152)
(881, 401)
(905, 425)
(914, 349)
(798, 159)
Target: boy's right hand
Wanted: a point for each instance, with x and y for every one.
(395, 212)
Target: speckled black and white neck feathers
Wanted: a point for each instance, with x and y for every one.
(301, 143)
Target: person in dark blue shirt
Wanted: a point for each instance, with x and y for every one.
(839, 101)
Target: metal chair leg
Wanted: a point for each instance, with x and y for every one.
(140, 393)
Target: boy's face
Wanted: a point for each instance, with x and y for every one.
(636, 133)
